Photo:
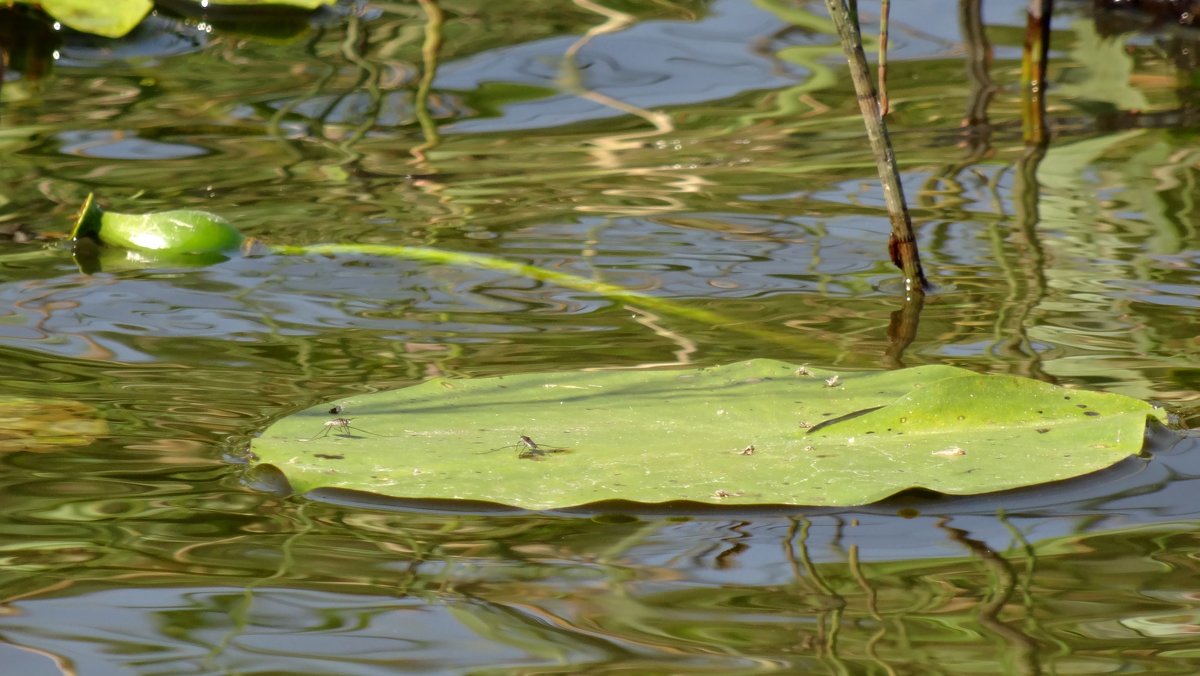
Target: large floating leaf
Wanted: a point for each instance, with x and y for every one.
(745, 433)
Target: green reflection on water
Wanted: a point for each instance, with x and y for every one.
(707, 153)
(655, 594)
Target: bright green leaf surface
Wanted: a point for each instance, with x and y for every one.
(112, 19)
(302, 4)
(663, 435)
(182, 232)
(115, 18)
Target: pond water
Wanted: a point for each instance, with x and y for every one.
(711, 153)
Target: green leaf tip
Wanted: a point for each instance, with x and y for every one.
(732, 435)
(87, 224)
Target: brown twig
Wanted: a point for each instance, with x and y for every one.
(902, 245)
(1033, 70)
(885, 9)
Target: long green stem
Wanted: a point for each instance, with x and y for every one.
(564, 279)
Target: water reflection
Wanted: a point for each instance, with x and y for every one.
(141, 316)
(692, 595)
(175, 572)
(708, 153)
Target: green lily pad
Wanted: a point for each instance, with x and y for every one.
(116, 18)
(301, 4)
(111, 19)
(755, 432)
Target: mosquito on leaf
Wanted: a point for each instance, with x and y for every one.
(344, 427)
(530, 448)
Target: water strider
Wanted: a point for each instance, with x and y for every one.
(532, 448)
(342, 424)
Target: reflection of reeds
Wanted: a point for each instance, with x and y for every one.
(683, 355)
(1026, 275)
(1024, 649)
(829, 621)
(430, 49)
(983, 88)
(605, 148)
(872, 602)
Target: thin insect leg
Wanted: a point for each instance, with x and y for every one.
(344, 425)
(536, 450)
(340, 423)
(500, 448)
(525, 441)
(532, 448)
(359, 429)
(324, 432)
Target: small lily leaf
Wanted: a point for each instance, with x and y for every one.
(110, 19)
(175, 232)
(301, 4)
(746, 433)
(116, 18)
(37, 425)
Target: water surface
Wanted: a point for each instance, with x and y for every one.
(706, 152)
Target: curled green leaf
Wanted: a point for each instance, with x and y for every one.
(175, 232)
